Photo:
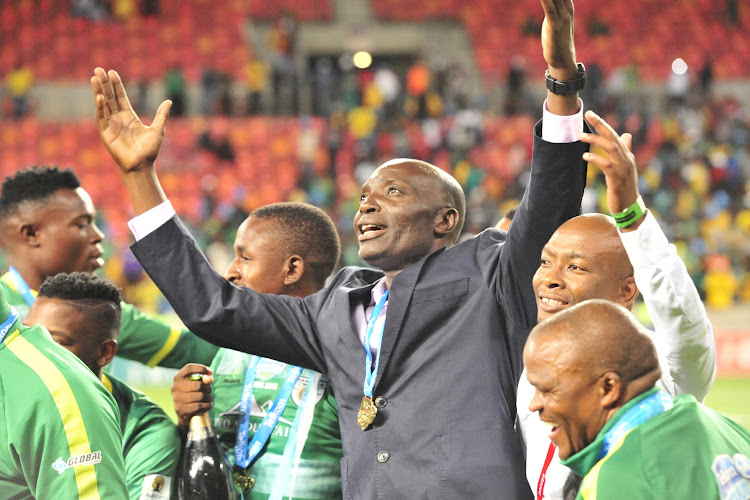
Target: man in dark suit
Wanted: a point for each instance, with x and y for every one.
(444, 324)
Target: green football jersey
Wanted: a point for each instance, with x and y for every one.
(143, 338)
(60, 432)
(688, 451)
(150, 443)
(317, 473)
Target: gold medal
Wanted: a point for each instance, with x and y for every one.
(366, 413)
(244, 482)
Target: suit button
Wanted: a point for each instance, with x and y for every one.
(380, 402)
(383, 456)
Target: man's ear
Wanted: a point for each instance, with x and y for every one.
(611, 389)
(294, 269)
(29, 234)
(107, 351)
(446, 222)
(628, 292)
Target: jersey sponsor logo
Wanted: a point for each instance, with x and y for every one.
(732, 476)
(269, 368)
(156, 487)
(61, 465)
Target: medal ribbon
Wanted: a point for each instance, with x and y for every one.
(655, 404)
(244, 454)
(296, 440)
(372, 371)
(18, 284)
(5, 327)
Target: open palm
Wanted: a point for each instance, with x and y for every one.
(131, 144)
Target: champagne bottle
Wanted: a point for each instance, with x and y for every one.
(205, 472)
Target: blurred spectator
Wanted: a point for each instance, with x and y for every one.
(281, 46)
(150, 8)
(515, 98)
(175, 89)
(215, 138)
(720, 283)
(19, 82)
(418, 80)
(257, 84)
(96, 10)
(325, 88)
(123, 9)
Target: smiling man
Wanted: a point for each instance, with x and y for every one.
(590, 257)
(594, 369)
(395, 341)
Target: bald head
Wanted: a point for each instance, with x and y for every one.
(584, 259)
(598, 232)
(598, 336)
(585, 363)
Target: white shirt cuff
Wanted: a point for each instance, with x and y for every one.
(148, 222)
(647, 245)
(560, 129)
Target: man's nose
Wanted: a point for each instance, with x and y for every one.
(551, 278)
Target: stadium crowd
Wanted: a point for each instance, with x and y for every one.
(423, 286)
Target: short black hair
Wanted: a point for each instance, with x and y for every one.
(307, 231)
(511, 213)
(93, 296)
(35, 183)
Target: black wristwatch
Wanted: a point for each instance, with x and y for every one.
(567, 87)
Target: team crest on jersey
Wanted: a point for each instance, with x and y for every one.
(156, 487)
(732, 476)
(92, 458)
(301, 385)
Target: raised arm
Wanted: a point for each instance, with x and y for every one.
(132, 145)
(684, 335)
(560, 52)
(557, 180)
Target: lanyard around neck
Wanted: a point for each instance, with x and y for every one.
(18, 284)
(5, 327)
(371, 371)
(245, 453)
(655, 404)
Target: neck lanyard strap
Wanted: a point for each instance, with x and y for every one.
(8, 323)
(287, 474)
(20, 285)
(372, 371)
(244, 455)
(543, 475)
(655, 404)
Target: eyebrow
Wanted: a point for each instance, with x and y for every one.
(572, 254)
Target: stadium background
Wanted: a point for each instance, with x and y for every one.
(301, 99)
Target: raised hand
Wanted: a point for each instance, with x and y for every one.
(619, 167)
(560, 52)
(191, 397)
(132, 145)
(557, 37)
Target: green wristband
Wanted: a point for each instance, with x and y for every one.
(631, 214)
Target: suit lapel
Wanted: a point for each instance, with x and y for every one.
(399, 297)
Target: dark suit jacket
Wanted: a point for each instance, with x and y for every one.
(451, 353)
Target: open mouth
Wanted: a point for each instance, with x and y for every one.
(551, 429)
(368, 231)
(96, 261)
(550, 304)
